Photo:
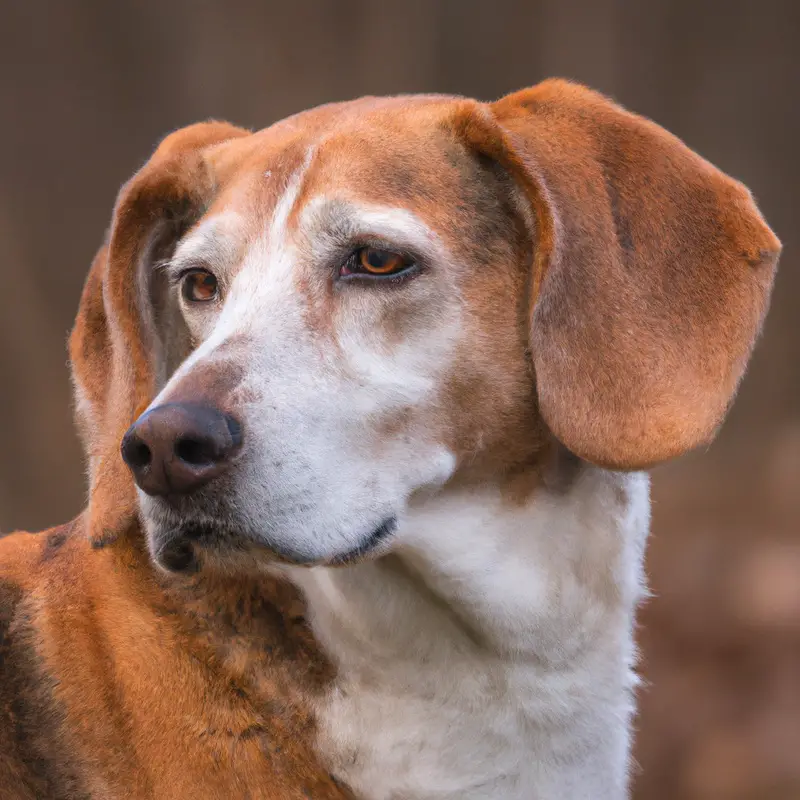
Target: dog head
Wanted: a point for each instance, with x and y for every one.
(296, 332)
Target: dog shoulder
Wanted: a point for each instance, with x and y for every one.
(35, 758)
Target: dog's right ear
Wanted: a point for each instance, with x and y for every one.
(114, 346)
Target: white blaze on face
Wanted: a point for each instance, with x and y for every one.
(325, 463)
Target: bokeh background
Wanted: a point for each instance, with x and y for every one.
(88, 87)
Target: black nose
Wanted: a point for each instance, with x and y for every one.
(178, 447)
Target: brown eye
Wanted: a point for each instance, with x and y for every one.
(199, 286)
(375, 262)
(380, 262)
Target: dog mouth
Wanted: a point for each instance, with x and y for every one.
(187, 546)
(381, 534)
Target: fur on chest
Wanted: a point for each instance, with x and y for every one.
(492, 656)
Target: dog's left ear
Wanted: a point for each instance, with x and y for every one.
(116, 346)
(652, 272)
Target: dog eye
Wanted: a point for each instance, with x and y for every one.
(199, 286)
(372, 261)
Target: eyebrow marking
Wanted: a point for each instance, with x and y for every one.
(212, 242)
(331, 220)
(397, 223)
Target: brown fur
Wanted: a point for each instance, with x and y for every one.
(652, 273)
(119, 683)
(634, 273)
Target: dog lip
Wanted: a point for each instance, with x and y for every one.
(383, 532)
(178, 550)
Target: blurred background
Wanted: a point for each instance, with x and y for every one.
(88, 87)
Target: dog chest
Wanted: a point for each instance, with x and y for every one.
(492, 655)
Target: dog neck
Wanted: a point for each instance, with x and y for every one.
(491, 654)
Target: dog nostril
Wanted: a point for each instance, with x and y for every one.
(139, 455)
(195, 451)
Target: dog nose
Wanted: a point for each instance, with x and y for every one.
(178, 447)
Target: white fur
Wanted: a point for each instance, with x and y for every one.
(494, 658)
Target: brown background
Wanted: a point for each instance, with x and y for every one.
(87, 87)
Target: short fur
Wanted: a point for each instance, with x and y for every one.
(587, 295)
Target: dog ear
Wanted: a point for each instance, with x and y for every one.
(114, 347)
(651, 277)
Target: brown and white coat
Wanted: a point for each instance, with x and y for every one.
(418, 577)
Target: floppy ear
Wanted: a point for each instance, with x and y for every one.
(115, 350)
(651, 276)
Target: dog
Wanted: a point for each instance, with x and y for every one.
(367, 399)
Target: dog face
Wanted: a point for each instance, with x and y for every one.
(313, 326)
(355, 384)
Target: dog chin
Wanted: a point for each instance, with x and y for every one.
(188, 548)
